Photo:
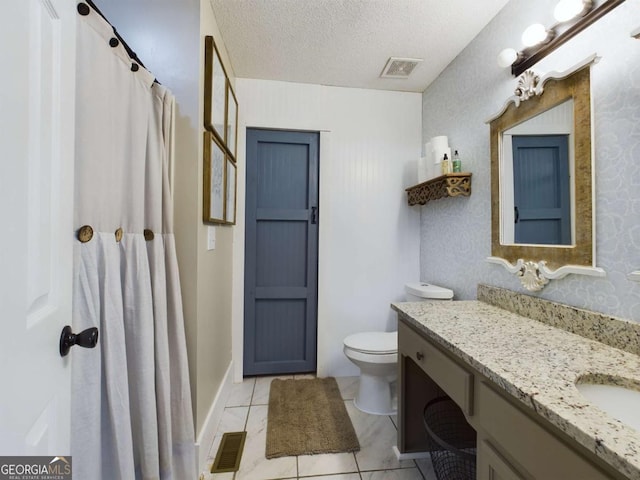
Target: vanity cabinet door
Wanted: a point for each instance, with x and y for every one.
(451, 377)
(527, 443)
(492, 466)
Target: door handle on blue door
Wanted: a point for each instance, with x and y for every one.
(314, 215)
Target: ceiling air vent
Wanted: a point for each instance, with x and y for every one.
(399, 67)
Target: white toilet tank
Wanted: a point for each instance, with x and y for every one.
(426, 292)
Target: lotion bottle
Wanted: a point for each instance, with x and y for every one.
(445, 165)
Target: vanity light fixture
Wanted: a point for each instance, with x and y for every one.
(569, 9)
(572, 17)
(508, 57)
(536, 34)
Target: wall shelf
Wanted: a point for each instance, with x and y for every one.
(448, 185)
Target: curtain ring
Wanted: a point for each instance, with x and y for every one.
(83, 9)
(85, 233)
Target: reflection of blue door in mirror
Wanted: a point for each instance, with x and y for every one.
(541, 189)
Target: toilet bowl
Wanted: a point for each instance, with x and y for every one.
(376, 354)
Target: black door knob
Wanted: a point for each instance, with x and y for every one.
(87, 339)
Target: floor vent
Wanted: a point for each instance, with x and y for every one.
(229, 453)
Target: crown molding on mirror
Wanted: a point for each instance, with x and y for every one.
(532, 85)
(534, 276)
(527, 87)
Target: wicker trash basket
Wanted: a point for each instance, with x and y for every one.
(451, 440)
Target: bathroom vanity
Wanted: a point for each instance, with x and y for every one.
(515, 378)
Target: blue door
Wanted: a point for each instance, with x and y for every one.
(541, 189)
(281, 252)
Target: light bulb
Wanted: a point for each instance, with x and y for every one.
(568, 9)
(506, 57)
(534, 34)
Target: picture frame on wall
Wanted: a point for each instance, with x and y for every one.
(231, 181)
(215, 90)
(214, 195)
(220, 140)
(231, 131)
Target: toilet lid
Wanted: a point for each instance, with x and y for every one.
(428, 291)
(373, 342)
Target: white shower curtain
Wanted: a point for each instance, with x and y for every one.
(131, 402)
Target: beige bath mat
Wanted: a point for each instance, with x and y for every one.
(308, 416)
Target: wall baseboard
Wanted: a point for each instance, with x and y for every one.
(409, 456)
(208, 432)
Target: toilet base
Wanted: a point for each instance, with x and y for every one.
(375, 395)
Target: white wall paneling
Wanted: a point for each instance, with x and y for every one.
(368, 235)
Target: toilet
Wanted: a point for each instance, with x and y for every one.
(376, 354)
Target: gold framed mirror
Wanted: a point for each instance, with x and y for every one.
(536, 100)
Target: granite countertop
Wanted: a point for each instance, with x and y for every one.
(538, 364)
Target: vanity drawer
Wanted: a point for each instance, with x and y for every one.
(451, 377)
(533, 448)
(493, 466)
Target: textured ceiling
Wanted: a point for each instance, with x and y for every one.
(348, 42)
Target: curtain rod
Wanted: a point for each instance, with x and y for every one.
(126, 46)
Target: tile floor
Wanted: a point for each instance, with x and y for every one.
(247, 410)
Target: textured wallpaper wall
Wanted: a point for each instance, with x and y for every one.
(456, 233)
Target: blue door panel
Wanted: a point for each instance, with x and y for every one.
(281, 257)
(273, 317)
(281, 252)
(538, 232)
(283, 181)
(542, 189)
(538, 176)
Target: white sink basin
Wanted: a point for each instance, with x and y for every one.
(619, 402)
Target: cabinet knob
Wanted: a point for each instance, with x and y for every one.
(419, 355)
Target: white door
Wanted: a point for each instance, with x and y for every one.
(37, 82)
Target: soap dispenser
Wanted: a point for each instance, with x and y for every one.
(457, 164)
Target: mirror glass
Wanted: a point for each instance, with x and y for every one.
(541, 175)
(538, 194)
